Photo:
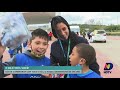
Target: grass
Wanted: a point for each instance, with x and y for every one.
(113, 33)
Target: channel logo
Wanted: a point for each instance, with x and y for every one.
(108, 67)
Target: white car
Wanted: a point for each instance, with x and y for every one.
(98, 35)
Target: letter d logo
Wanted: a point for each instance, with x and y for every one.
(108, 66)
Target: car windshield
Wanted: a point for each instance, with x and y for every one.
(100, 32)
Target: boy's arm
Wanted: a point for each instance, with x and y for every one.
(11, 62)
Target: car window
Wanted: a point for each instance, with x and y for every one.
(100, 32)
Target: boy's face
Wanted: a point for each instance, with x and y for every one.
(38, 45)
(74, 57)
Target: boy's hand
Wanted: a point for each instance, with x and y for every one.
(2, 49)
(9, 76)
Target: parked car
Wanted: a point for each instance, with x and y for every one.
(99, 35)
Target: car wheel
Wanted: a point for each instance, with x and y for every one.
(104, 41)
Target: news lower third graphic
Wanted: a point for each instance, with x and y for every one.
(108, 68)
(42, 69)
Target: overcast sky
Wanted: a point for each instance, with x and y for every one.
(105, 18)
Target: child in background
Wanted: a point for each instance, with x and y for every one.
(25, 44)
(12, 52)
(19, 48)
(50, 36)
